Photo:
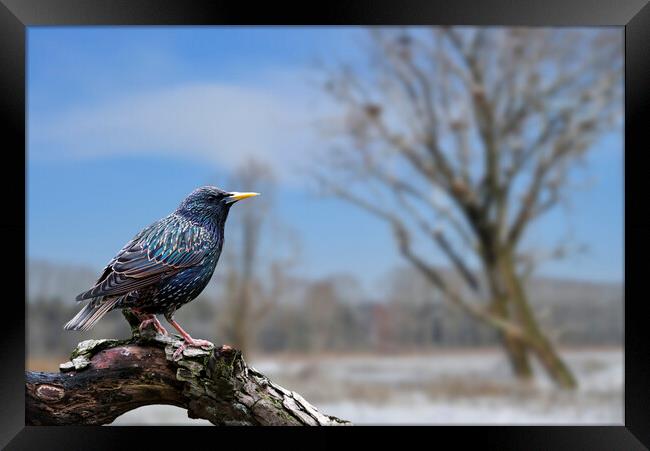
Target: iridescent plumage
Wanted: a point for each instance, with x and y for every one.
(164, 266)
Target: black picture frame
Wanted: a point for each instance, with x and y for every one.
(16, 15)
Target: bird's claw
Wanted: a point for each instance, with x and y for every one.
(156, 324)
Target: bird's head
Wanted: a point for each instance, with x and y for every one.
(210, 202)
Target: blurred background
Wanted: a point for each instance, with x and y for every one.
(439, 238)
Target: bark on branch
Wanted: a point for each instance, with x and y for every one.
(106, 378)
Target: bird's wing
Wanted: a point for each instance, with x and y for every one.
(162, 249)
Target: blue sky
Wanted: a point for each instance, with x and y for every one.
(124, 122)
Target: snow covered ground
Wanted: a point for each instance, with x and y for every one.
(441, 388)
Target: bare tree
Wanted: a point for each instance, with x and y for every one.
(242, 279)
(460, 139)
(255, 268)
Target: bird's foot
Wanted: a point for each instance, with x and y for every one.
(156, 324)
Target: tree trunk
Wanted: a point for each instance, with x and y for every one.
(106, 378)
(518, 357)
(536, 340)
(241, 323)
(515, 348)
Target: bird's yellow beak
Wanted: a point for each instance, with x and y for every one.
(235, 196)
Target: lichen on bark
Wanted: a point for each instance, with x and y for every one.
(108, 377)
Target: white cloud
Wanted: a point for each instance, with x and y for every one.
(219, 123)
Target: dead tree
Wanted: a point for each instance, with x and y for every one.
(106, 378)
(250, 253)
(460, 139)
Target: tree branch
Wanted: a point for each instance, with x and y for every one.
(452, 295)
(106, 378)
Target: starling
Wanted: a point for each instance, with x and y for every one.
(164, 266)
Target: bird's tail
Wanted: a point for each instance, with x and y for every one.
(90, 314)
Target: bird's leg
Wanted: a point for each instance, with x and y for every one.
(146, 319)
(159, 327)
(156, 324)
(189, 341)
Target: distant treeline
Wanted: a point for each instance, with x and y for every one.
(334, 315)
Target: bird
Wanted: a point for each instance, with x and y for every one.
(165, 266)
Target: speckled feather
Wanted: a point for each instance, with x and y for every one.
(164, 266)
